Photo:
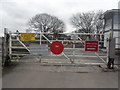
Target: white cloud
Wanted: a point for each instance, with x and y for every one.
(15, 14)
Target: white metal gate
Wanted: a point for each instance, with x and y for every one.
(74, 51)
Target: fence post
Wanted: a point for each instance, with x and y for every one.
(74, 47)
(6, 48)
(111, 50)
(10, 45)
(40, 38)
(3, 50)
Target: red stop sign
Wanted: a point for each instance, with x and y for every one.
(56, 47)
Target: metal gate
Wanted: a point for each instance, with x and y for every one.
(74, 48)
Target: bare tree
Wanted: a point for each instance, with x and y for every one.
(87, 22)
(98, 22)
(46, 23)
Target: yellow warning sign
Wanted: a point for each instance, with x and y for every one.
(27, 36)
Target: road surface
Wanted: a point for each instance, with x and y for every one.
(37, 75)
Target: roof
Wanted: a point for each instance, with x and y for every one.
(109, 13)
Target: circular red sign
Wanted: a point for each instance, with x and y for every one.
(56, 47)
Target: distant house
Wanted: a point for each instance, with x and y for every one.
(29, 31)
(112, 21)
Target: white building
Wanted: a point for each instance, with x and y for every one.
(112, 21)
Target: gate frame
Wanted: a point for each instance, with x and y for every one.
(42, 35)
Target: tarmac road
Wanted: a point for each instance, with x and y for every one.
(36, 79)
(37, 75)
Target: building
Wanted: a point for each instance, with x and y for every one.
(28, 31)
(112, 21)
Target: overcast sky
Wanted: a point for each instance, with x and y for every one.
(14, 14)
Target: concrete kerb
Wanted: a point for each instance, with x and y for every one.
(106, 69)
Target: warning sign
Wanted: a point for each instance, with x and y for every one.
(27, 36)
(91, 46)
(56, 47)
